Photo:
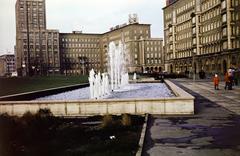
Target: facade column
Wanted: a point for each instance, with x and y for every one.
(174, 33)
(229, 29)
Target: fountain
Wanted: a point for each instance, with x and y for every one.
(99, 84)
(91, 80)
(117, 65)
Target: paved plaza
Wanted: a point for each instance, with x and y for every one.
(214, 130)
(229, 99)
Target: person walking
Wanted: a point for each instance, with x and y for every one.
(231, 78)
(227, 81)
(216, 81)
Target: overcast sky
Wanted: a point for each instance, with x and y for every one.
(90, 16)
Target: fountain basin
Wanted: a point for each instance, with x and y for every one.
(131, 91)
(182, 103)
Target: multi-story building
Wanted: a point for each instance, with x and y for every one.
(42, 51)
(7, 64)
(151, 55)
(130, 34)
(80, 52)
(202, 35)
(37, 49)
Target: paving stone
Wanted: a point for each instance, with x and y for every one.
(213, 131)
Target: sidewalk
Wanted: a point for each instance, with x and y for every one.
(229, 99)
(212, 131)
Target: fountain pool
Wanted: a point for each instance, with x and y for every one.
(131, 91)
(139, 98)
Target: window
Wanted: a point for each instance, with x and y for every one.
(223, 5)
(136, 56)
(224, 18)
(194, 41)
(194, 20)
(225, 45)
(194, 30)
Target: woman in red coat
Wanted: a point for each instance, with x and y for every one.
(216, 81)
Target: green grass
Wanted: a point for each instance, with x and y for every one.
(9, 86)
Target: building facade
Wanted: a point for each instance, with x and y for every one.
(37, 49)
(202, 35)
(7, 65)
(81, 52)
(130, 34)
(151, 58)
(40, 51)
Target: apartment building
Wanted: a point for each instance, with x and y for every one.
(202, 35)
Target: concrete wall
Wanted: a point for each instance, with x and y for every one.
(183, 103)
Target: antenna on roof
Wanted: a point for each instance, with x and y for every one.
(133, 18)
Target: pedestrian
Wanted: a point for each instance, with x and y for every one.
(230, 77)
(216, 81)
(227, 81)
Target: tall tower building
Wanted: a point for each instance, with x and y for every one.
(37, 49)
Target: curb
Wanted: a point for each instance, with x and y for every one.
(142, 138)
